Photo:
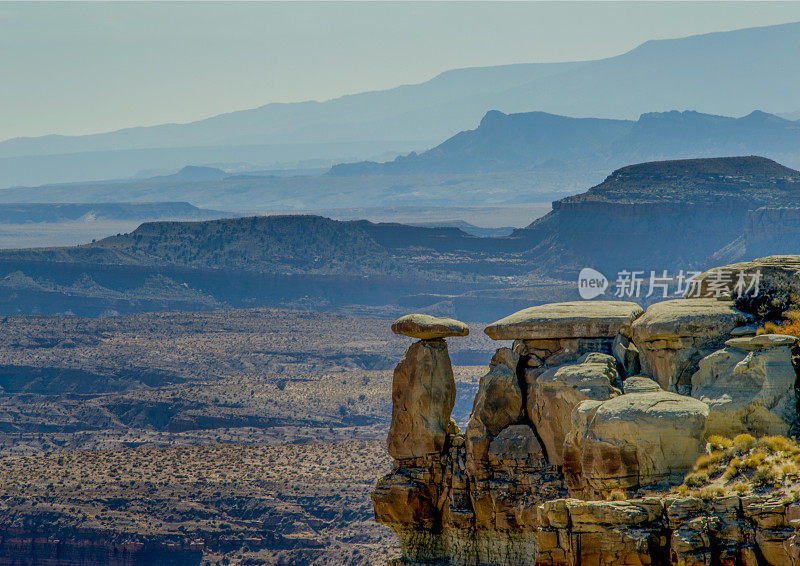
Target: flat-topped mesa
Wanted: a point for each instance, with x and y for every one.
(427, 327)
(423, 387)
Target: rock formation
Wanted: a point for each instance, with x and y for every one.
(636, 440)
(423, 388)
(749, 386)
(581, 431)
(672, 336)
(559, 390)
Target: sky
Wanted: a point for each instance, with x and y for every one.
(77, 68)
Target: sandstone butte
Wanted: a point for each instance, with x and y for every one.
(603, 435)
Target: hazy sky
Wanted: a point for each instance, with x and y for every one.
(88, 67)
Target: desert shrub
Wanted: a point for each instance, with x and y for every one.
(744, 463)
(753, 461)
(697, 479)
(780, 444)
(789, 325)
(744, 442)
(716, 442)
(682, 489)
(764, 476)
(732, 470)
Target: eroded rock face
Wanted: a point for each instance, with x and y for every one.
(423, 395)
(632, 441)
(498, 404)
(515, 443)
(749, 386)
(604, 533)
(672, 337)
(427, 327)
(559, 390)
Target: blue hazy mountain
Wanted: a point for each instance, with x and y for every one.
(728, 73)
(536, 140)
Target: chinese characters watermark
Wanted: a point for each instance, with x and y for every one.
(717, 283)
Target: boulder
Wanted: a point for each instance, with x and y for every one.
(498, 404)
(640, 384)
(632, 441)
(749, 386)
(672, 337)
(556, 392)
(426, 327)
(577, 319)
(505, 356)
(423, 395)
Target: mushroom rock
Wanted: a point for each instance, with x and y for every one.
(576, 319)
(423, 388)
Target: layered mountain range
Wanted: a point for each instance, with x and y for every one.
(718, 73)
(653, 216)
(509, 158)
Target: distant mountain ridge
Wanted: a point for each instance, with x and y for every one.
(729, 73)
(658, 216)
(504, 142)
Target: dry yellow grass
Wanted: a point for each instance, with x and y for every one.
(744, 464)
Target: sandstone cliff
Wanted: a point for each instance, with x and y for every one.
(609, 435)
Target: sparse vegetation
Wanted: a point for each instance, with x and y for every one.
(789, 325)
(744, 464)
(267, 504)
(242, 423)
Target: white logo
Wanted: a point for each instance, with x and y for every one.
(591, 283)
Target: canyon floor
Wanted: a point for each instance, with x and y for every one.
(256, 434)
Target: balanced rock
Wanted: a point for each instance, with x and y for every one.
(559, 390)
(632, 441)
(423, 395)
(427, 327)
(749, 386)
(576, 319)
(672, 337)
